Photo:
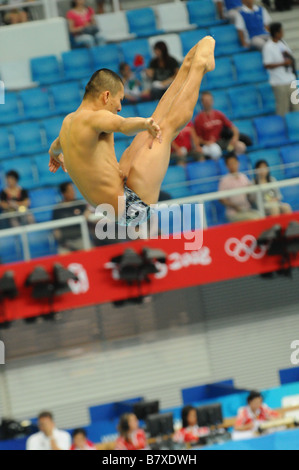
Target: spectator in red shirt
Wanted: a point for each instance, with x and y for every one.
(186, 144)
(255, 412)
(82, 25)
(216, 132)
(80, 441)
(131, 437)
(190, 432)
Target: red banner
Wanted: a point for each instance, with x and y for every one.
(228, 252)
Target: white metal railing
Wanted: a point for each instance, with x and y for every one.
(256, 190)
(23, 231)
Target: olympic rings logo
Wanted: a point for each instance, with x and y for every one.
(243, 250)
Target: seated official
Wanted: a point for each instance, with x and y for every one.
(49, 437)
(190, 432)
(131, 437)
(254, 413)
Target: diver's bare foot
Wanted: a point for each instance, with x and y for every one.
(205, 53)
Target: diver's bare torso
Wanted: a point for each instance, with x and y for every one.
(90, 160)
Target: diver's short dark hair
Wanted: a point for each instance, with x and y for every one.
(103, 80)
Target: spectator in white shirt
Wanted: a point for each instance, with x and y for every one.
(228, 9)
(278, 59)
(49, 437)
(252, 23)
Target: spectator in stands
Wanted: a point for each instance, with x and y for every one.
(186, 144)
(131, 437)
(252, 23)
(162, 70)
(238, 208)
(280, 62)
(134, 90)
(80, 441)
(190, 432)
(249, 417)
(69, 238)
(15, 199)
(228, 9)
(272, 198)
(82, 25)
(100, 6)
(16, 15)
(216, 132)
(49, 437)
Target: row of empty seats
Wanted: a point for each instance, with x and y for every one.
(81, 63)
(176, 16)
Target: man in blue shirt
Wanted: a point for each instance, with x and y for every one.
(252, 23)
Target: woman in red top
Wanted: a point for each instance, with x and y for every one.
(131, 436)
(190, 432)
(82, 25)
(250, 416)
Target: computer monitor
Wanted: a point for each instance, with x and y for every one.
(209, 415)
(160, 425)
(143, 409)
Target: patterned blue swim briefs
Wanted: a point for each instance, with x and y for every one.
(137, 212)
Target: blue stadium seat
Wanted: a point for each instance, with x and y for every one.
(77, 64)
(142, 22)
(203, 177)
(120, 146)
(271, 131)
(245, 166)
(10, 110)
(45, 177)
(175, 182)
(44, 198)
(130, 49)
(28, 138)
(52, 128)
(190, 38)
(36, 103)
(42, 244)
(246, 127)
(67, 97)
(146, 109)
(222, 103)
(291, 196)
(10, 250)
(250, 68)
(290, 156)
(273, 159)
(268, 99)
(106, 57)
(24, 167)
(223, 76)
(220, 213)
(5, 145)
(292, 122)
(227, 40)
(203, 13)
(128, 111)
(46, 70)
(245, 102)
